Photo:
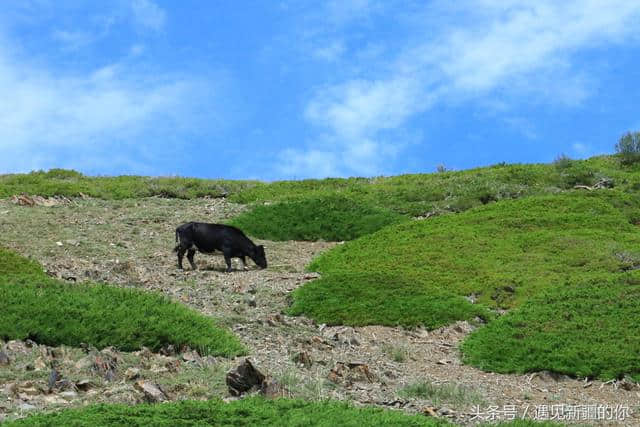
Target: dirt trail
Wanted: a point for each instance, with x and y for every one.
(129, 243)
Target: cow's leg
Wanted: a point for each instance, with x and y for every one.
(244, 263)
(190, 255)
(181, 252)
(227, 259)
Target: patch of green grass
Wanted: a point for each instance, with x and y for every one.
(362, 298)
(245, 412)
(330, 218)
(502, 253)
(52, 312)
(588, 329)
(446, 393)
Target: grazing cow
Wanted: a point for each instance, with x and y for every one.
(208, 238)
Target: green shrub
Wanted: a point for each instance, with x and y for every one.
(589, 329)
(246, 412)
(628, 148)
(368, 298)
(500, 254)
(562, 162)
(51, 312)
(330, 217)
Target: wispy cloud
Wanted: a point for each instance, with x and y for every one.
(483, 46)
(330, 52)
(148, 15)
(61, 117)
(73, 39)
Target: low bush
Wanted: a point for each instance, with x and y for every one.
(330, 218)
(628, 148)
(51, 312)
(363, 298)
(589, 329)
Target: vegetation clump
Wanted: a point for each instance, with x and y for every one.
(628, 148)
(330, 218)
(371, 298)
(586, 329)
(52, 312)
(245, 412)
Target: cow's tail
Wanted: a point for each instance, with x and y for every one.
(177, 241)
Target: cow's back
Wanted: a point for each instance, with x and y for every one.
(210, 237)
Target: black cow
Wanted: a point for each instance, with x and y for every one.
(208, 238)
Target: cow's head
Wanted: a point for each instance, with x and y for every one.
(259, 257)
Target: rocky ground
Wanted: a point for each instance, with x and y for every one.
(129, 243)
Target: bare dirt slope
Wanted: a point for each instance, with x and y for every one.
(129, 243)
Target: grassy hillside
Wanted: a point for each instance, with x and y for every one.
(343, 209)
(456, 191)
(69, 183)
(51, 312)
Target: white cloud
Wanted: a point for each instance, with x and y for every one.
(582, 150)
(516, 47)
(73, 39)
(330, 52)
(109, 117)
(313, 163)
(148, 15)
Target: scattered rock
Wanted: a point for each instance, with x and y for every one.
(27, 200)
(244, 378)
(69, 395)
(548, 376)
(152, 392)
(430, 411)
(26, 407)
(167, 350)
(190, 356)
(4, 359)
(84, 385)
(15, 346)
(132, 374)
(272, 389)
(105, 365)
(53, 377)
(444, 411)
(350, 373)
(275, 320)
(626, 384)
(250, 300)
(303, 358)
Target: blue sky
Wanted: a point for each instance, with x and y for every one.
(303, 89)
